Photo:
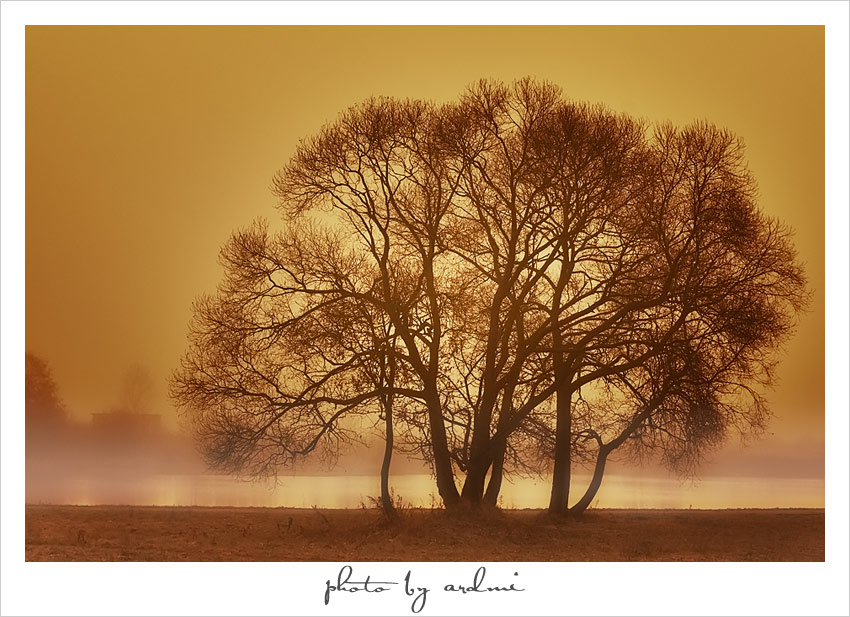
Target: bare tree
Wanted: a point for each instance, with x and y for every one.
(273, 373)
(136, 389)
(735, 289)
(545, 191)
(379, 173)
(501, 281)
(43, 406)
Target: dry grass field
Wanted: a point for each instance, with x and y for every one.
(128, 533)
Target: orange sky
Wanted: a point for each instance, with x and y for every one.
(147, 146)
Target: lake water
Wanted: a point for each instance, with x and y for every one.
(618, 491)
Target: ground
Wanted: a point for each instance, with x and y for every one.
(129, 533)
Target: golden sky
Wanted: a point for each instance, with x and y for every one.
(147, 146)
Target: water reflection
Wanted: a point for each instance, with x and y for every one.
(352, 491)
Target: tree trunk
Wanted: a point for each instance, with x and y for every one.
(388, 381)
(563, 450)
(442, 461)
(476, 475)
(494, 486)
(386, 498)
(491, 496)
(480, 450)
(606, 449)
(595, 482)
(480, 456)
(560, 496)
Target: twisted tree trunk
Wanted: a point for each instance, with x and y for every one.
(598, 472)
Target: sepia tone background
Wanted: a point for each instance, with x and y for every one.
(147, 147)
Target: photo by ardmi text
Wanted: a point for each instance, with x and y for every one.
(419, 595)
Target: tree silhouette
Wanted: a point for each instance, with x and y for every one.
(728, 292)
(44, 409)
(136, 389)
(510, 279)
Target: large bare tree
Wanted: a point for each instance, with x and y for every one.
(503, 281)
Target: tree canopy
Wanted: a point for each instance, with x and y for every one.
(509, 283)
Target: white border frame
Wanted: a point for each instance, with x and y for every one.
(228, 589)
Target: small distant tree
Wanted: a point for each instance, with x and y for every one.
(44, 407)
(136, 389)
